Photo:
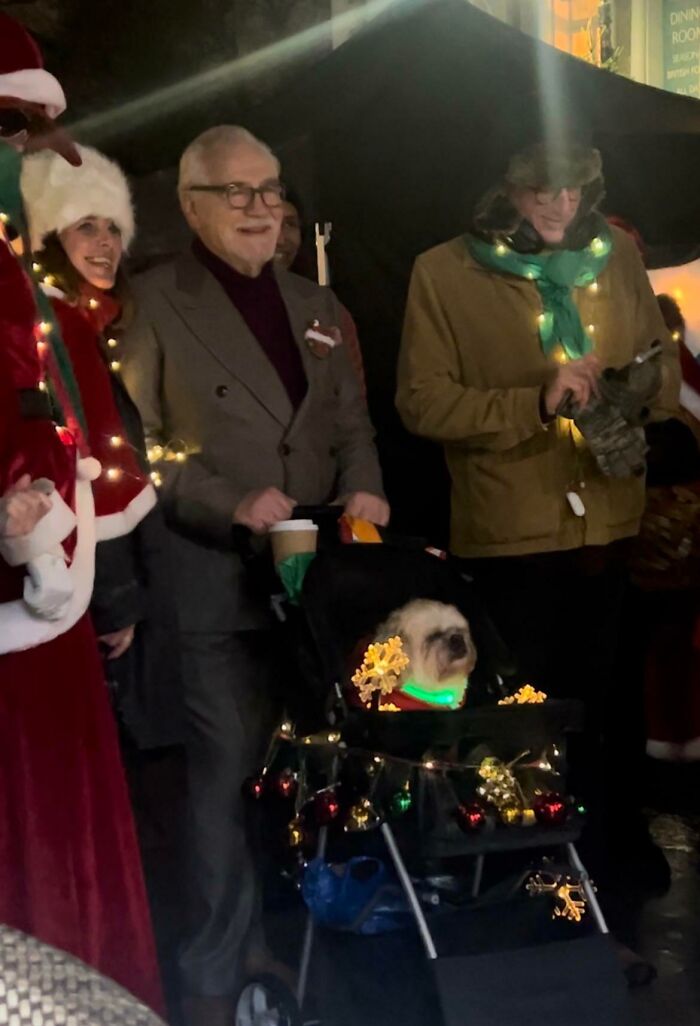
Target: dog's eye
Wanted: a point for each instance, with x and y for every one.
(435, 636)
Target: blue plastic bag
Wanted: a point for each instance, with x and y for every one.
(359, 896)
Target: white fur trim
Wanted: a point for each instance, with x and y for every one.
(89, 468)
(116, 525)
(48, 586)
(669, 751)
(51, 530)
(36, 86)
(690, 400)
(19, 628)
(56, 194)
(675, 751)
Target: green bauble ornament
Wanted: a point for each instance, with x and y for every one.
(402, 801)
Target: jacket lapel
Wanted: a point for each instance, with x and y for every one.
(301, 311)
(213, 319)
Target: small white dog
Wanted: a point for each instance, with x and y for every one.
(437, 640)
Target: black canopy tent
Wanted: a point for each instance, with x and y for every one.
(399, 131)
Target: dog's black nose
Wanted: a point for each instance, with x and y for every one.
(457, 645)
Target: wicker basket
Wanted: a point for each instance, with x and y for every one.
(666, 555)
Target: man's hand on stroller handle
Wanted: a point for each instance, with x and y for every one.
(365, 506)
(261, 510)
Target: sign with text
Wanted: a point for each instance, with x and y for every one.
(681, 33)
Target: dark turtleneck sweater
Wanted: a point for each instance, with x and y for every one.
(260, 304)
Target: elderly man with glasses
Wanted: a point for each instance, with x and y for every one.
(249, 416)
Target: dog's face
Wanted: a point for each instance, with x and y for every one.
(437, 640)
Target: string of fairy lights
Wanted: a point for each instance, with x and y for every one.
(173, 452)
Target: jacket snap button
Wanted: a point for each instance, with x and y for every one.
(222, 391)
(285, 449)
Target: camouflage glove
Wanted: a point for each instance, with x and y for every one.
(612, 421)
(619, 448)
(632, 388)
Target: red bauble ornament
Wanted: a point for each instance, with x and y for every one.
(286, 784)
(550, 809)
(470, 817)
(326, 807)
(253, 787)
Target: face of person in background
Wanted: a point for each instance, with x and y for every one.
(94, 247)
(549, 211)
(289, 241)
(245, 237)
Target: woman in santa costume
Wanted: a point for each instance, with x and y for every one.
(69, 860)
(81, 221)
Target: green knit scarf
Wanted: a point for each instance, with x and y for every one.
(555, 274)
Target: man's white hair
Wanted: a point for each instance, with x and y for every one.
(195, 161)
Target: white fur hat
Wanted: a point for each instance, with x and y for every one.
(57, 195)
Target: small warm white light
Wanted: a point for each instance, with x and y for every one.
(112, 343)
(333, 738)
(501, 249)
(530, 275)
(590, 328)
(93, 304)
(42, 386)
(541, 319)
(45, 328)
(597, 245)
(155, 453)
(560, 356)
(115, 365)
(156, 478)
(49, 280)
(378, 759)
(593, 287)
(286, 728)
(180, 457)
(429, 765)
(676, 336)
(36, 268)
(116, 441)
(41, 347)
(3, 217)
(114, 473)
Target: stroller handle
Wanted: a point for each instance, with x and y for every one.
(317, 512)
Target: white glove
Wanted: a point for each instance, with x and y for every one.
(48, 587)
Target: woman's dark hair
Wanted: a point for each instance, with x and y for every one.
(54, 261)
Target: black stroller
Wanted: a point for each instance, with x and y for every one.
(491, 966)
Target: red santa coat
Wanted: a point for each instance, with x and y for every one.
(69, 859)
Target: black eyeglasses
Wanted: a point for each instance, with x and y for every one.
(240, 197)
(12, 122)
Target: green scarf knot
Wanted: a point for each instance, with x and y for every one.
(555, 274)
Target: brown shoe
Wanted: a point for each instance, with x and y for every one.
(207, 1011)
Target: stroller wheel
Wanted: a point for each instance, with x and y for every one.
(266, 1001)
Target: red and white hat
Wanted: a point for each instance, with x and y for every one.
(22, 73)
(26, 85)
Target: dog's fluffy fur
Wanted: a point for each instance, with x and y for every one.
(437, 640)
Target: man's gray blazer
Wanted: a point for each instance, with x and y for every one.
(201, 380)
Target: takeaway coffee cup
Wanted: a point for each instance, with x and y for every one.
(290, 537)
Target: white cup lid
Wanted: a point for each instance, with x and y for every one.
(293, 525)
